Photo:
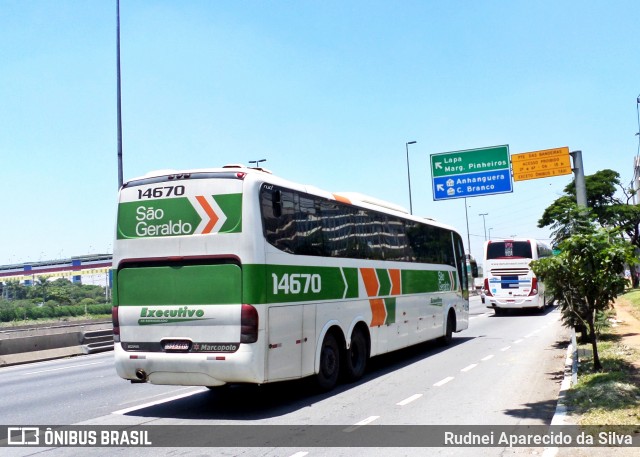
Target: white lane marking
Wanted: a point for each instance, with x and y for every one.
(506, 348)
(518, 341)
(444, 381)
(153, 403)
(489, 357)
(531, 334)
(62, 368)
(356, 426)
(406, 401)
(299, 454)
(470, 367)
(149, 397)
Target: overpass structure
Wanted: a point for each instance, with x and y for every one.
(93, 269)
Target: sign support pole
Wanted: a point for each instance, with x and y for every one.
(466, 214)
(578, 170)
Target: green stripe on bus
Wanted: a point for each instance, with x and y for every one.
(184, 285)
(231, 206)
(390, 306)
(294, 283)
(161, 217)
(420, 281)
(384, 280)
(176, 216)
(261, 284)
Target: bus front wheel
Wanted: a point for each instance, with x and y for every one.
(449, 329)
(327, 376)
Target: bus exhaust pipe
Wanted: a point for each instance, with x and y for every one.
(141, 375)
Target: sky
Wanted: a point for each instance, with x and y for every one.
(328, 92)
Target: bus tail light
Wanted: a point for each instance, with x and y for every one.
(116, 324)
(487, 291)
(248, 324)
(534, 286)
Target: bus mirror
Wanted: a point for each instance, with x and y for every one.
(277, 203)
(474, 269)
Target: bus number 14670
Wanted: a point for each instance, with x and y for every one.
(296, 283)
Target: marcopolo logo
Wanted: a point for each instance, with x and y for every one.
(169, 315)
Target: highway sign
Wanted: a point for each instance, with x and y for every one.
(471, 173)
(541, 164)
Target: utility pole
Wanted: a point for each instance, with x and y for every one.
(484, 223)
(578, 170)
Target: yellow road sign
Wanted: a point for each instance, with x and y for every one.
(541, 164)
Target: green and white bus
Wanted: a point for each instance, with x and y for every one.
(233, 275)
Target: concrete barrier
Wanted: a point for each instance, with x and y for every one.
(52, 342)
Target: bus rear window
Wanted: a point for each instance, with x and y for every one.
(509, 249)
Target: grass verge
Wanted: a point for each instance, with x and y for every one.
(632, 299)
(611, 396)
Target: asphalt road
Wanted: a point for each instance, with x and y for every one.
(501, 371)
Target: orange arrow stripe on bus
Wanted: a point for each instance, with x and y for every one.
(394, 275)
(370, 279)
(212, 215)
(342, 199)
(378, 312)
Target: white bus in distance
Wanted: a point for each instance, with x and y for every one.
(234, 275)
(509, 282)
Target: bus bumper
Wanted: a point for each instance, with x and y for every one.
(514, 303)
(202, 369)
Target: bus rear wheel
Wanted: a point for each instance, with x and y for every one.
(327, 376)
(355, 361)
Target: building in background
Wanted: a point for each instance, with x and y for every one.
(91, 269)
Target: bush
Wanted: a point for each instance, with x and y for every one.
(20, 313)
(26, 309)
(87, 302)
(104, 308)
(7, 314)
(39, 312)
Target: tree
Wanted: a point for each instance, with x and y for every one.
(586, 277)
(604, 209)
(40, 289)
(15, 290)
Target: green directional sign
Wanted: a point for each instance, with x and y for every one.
(471, 173)
(470, 161)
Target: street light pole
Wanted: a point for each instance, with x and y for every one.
(484, 223)
(409, 175)
(490, 228)
(118, 96)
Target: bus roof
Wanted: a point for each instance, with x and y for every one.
(353, 198)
